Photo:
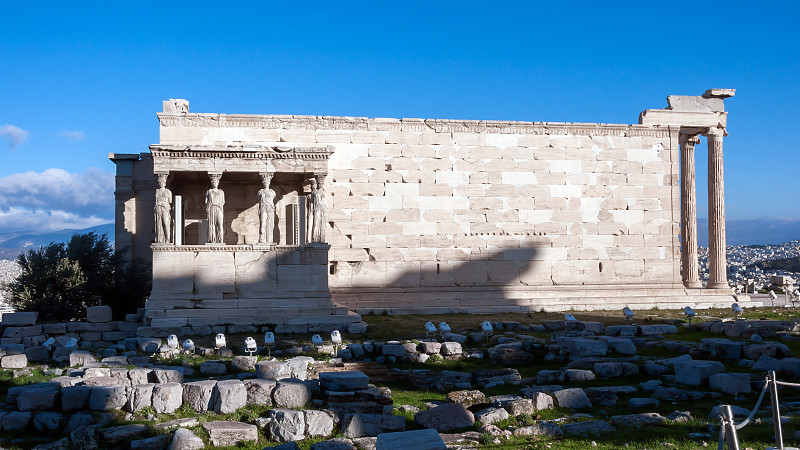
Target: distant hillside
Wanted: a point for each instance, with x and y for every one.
(9, 249)
(753, 232)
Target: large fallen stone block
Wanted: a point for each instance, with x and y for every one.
(722, 348)
(225, 434)
(259, 392)
(590, 428)
(41, 398)
(360, 425)
(37, 353)
(168, 375)
(343, 381)
(655, 330)
(140, 396)
(229, 395)
(106, 398)
(14, 362)
(696, 372)
(639, 420)
(427, 439)
(19, 319)
(96, 314)
(80, 358)
(116, 435)
(491, 415)
(151, 443)
(199, 395)
(184, 439)
(574, 398)
(16, 420)
(509, 354)
(273, 370)
(167, 397)
(318, 423)
(74, 398)
(49, 422)
(291, 393)
(730, 383)
(466, 398)
(286, 424)
(615, 369)
(21, 332)
(583, 347)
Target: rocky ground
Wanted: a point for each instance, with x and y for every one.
(539, 381)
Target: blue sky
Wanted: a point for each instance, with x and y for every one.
(81, 80)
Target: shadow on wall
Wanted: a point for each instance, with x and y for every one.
(512, 266)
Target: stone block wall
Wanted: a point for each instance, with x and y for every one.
(445, 215)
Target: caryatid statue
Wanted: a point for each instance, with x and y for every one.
(215, 202)
(162, 210)
(310, 210)
(319, 213)
(266, 211)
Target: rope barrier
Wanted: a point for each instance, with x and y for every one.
(784, 383)
(758, 404)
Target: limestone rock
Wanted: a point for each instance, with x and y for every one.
(75, 397)
(116, 435)
(738, 412)
(291, 393)
(229, 395)
(451, 348)
(730, 383)
(576, 375)
(509, 354)
(199, 395)
(520, 406)
(168, 375)
(639, 420)
(446, 417)
(106, 398)
(14, 362)
(549, 376)
(224, 434)
(638, 403)
(590, 428)
(583, 347)
(343, 381)
(244, 363)
(574, 398)
(41, 398)
(615, 369)
(140, 396)
(61, 444)
(49, 422)
(491, 415)
(286, 424)
(259, 392)
(696, 373)
(16, 420)
(184, 439)
(151, 443)
(360, 425)
(334, 444)
(427, 439)
(167, 397)
(548, 429)
(318, 423)
(466, 398)
(431, 348)
(273, 370)
(96, 314)
(213, 368)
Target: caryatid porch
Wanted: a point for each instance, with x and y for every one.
(697, 116)
(261, 266)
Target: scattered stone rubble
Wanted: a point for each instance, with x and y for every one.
(310, 399)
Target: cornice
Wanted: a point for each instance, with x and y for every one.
(323, 123)
(241, 152)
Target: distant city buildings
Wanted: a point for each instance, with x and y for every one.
(741, 261)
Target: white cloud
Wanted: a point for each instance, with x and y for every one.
(55, 199)
(14, 135)
(73, 135)
(45, 221)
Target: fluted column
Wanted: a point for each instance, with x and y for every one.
(689, 265)
(717, 260)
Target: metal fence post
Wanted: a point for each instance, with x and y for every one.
(730, 428)
(776, 411)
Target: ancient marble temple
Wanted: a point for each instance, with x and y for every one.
(311, 220)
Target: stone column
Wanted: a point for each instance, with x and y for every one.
(717, 259)
(689, 265)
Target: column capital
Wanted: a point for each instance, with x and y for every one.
(689, 138)
(715, 133)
